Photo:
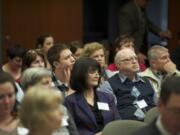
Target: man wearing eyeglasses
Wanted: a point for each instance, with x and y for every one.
(168, 122)
(161, 66)
(134, 94)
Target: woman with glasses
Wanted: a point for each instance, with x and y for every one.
(91, 109)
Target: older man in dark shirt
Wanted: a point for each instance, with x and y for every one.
(134, 94)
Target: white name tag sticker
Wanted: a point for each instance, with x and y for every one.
(103, 106)
(64, 121)
(142, 103)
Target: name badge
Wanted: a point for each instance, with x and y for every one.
(64, 121)
(142, 103)
(22, 131)
(103, 106)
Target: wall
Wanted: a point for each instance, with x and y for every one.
(174, 21)
(23, 21)
(0, 32)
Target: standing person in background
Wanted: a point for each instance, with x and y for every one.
(15, 54)
(133, 22)
(45, 42)
(91, 109)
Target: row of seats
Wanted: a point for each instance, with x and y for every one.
(127, 127)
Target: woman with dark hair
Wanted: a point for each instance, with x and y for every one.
(8, 106)
(15, 54)
(91, 109)
(33, 58)
(44, 42)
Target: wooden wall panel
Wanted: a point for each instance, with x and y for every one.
(23, 21)
(174, 21)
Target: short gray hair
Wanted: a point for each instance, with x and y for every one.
(154, 51)
(32, 76)
(117, 58)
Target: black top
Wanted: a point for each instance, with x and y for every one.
(97, 114)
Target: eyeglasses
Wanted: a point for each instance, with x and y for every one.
(129, 59)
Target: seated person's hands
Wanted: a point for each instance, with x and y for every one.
(170, 67)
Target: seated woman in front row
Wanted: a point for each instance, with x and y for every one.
(40, 112)
(91, 109)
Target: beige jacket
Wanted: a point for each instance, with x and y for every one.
(154, 80)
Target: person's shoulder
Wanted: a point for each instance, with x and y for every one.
(71, 96)
(145, 72)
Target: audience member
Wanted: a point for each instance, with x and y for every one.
(42, 76)
(91, 109)
(96, 51)
(108, 50)
(62, 61)
(40, 111)
(33, 58)
(125, 42)
(133, 93)
(134, 22)
(34, 76)
(160, 66)
(15, 54)
(8, 106)
(168, 123)
(76, 48)
(45, 42)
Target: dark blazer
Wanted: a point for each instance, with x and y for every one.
(134, 23)
(151, 129)
(83, 115)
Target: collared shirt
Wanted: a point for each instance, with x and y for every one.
(59, 85)
(124, 78)
(160, 127)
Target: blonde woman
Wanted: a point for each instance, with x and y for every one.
(96, 51)
(40, 112)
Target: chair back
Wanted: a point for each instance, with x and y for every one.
(122, 127)
(151, 115)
